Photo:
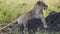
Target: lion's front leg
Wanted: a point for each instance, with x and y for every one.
(25, 29)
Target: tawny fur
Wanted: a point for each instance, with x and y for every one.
(36, 12)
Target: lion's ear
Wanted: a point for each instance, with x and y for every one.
(40, 2)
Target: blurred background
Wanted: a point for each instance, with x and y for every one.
(11, 9)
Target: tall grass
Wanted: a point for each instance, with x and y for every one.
(11, 9)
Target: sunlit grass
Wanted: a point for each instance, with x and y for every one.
(11, 9)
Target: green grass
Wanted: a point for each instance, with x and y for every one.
(11, 9)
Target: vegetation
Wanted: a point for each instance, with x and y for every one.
(11, 9)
